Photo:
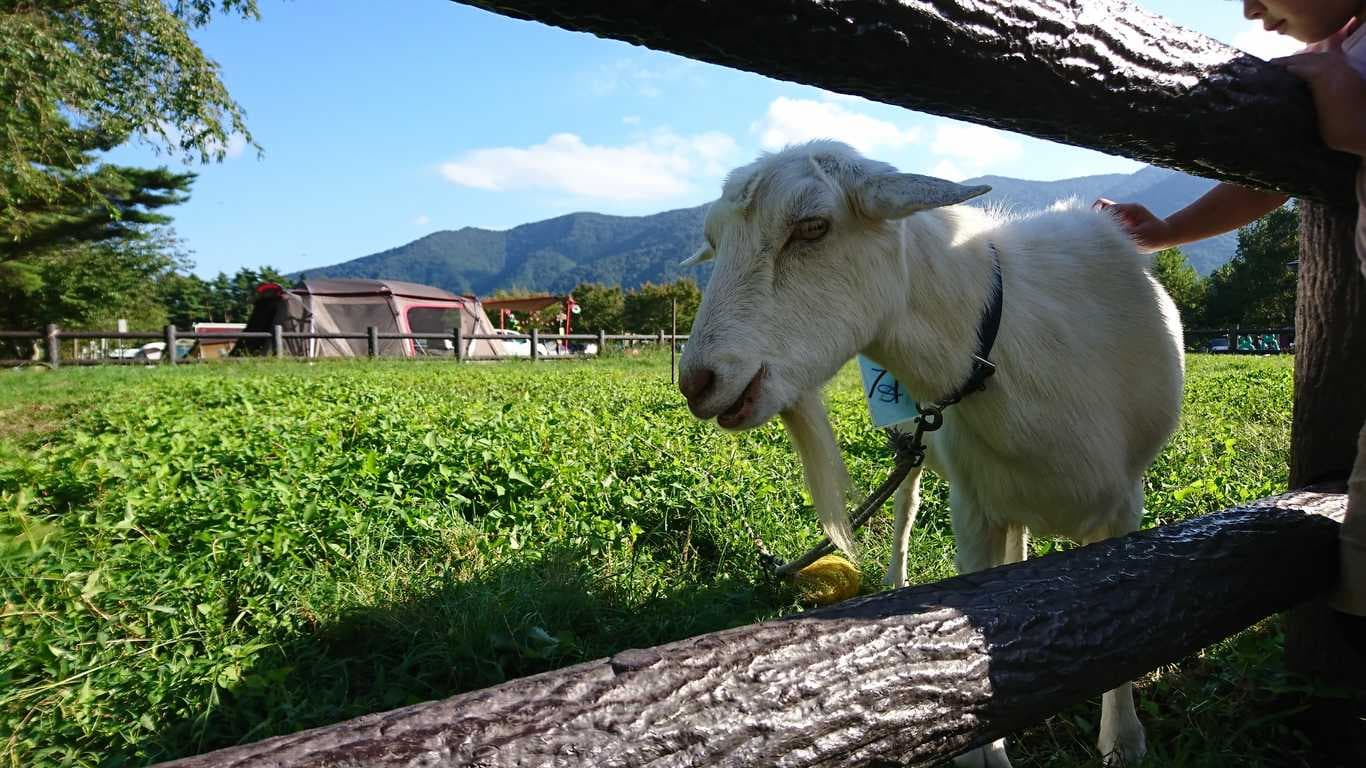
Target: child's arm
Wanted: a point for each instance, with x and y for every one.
(1339, 97)
(1224, 208)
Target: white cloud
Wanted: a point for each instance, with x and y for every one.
(658, 166)
(946, 169)
(791, 121)
(422, 220)
(976, 144)
(647, 79)
(965, 149)
(1263, 44)
(832, 96)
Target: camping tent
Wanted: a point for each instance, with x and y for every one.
(351, 306)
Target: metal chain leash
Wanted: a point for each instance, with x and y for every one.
(910, 453)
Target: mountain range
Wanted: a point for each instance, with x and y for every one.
(556, 254)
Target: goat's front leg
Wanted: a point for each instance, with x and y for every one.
(979, 544)
(906, 505)
(1122, 740)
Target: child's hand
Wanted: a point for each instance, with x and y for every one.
(1339, 97)
(1150, 232)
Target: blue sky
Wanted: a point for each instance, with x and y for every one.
(383, 122)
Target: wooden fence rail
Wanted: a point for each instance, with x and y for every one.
(1103, 74)
(911, 675)
(53, 336)
(460, 341)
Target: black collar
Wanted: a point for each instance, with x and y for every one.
(982, 367)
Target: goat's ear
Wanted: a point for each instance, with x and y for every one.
(897, 195)
(704, 253)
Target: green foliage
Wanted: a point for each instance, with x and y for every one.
(1182, 282)
(651, 307)
(82, 262)
(221, 554)
(82, 244)
(189, 299)
(122, 203)
(603, 308)
(1257, 286)
(86, 75)
(91, 286)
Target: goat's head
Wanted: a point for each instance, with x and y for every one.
(806, 270)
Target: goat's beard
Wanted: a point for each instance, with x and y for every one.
(827, 478)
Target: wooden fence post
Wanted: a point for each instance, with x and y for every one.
(459, 334)
(602, 342)
(169, 354)
(673, 340)
(1330, 406)
(535, 343)
(277, 340)
(54, 345)
(371, 341)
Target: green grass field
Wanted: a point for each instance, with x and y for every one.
(196, 557)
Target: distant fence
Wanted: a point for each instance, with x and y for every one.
(453, 344)
(456, 345)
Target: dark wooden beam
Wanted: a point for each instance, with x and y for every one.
(909, 676)
(1103, 74)
(1330, 408)
(1330, 347)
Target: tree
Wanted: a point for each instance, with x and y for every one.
(186, 299)
(86, 75)
(80, 242)
(1183, 284)
(92, 285)
(650, 307)
(1257, 286)
(602, 308)
(77, 264)
(120, 203)
(225, 298)
(190, 299)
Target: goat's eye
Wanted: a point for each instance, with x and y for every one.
(813, 228)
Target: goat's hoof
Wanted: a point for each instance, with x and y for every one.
(992, 755)
(1123, 750)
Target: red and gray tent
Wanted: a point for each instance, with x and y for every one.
(351, 306)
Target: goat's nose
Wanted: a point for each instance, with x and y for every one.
(695, 383)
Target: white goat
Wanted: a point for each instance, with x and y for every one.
(822, 254)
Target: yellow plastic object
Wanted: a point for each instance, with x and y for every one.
(828, 580)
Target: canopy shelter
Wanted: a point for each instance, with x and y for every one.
(501, 308)
(350, 306)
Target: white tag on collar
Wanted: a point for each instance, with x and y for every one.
(888, 403)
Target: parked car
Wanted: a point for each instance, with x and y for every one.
(152, 351)
(1219, 345)
(515, 347)
(149, 352)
